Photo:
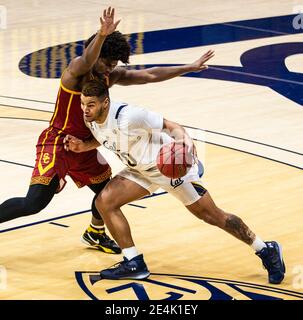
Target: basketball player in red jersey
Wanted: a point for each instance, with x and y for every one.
(102, 52)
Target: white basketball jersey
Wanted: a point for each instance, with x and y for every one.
(133, 133)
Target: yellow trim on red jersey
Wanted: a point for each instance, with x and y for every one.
(65, 89)
(40, 168)
(50, 165)
(69, 91)
(56, 108)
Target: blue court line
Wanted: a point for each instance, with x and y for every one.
(185, 126)
(136, 205)
(29, 119)
(16, 163)
(250, 153)
(59, 224)
(278, 33)
(154, 195)
(43, 221)
(26, 108)
(244, 139)
(255, 75)
(58, 218)
(24, 99)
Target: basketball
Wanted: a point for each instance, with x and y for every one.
(174, 160)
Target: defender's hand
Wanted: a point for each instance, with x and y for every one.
(199, 64)
(73, 144)
(108, 25)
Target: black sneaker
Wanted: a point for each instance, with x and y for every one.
(100, 240)
(128, 269)
(272, 260)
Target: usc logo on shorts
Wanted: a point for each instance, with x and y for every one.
(46, 158)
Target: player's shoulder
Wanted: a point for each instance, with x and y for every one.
(116, 75)
(128, 116)
(133, 112)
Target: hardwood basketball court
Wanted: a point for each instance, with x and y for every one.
(245, 113)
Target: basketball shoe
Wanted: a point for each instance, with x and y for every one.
(127, 269)
(272, 260)
(98, 239)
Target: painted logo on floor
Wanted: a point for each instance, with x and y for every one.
(178, 287)
(263, 66)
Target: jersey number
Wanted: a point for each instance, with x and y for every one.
(126, 157)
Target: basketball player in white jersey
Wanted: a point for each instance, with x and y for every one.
(136, 135)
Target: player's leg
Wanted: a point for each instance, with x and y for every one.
(95, 235)
(45, 182)
(37, 198)
(96, 216)
(118, 192)
(270, 252)
(92, 170)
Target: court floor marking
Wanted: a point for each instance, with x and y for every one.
(186, 126)
(257, 29)
(25, 99)
(154, 195)
(257, 75)
(203, 141)
(71, 215)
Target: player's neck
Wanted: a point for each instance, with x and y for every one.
(103, 117)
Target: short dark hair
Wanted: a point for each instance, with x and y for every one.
(95, 88)
(115, 47)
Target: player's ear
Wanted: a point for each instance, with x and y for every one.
(106, 101)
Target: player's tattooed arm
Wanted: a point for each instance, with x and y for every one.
(76, 145)
(236, 227)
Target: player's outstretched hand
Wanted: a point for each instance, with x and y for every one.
(108, 24)
(199, 64)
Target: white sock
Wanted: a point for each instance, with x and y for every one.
(258, 244)
(130, 253)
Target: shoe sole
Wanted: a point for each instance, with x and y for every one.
(140, 276)
(98, 247)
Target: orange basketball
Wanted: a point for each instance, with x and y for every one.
(174, 160)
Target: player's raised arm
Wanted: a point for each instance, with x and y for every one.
(83, 64)
(157, 74)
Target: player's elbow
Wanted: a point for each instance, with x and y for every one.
(149, 78)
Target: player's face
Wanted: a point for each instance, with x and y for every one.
(93, 107)
(105, 66)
